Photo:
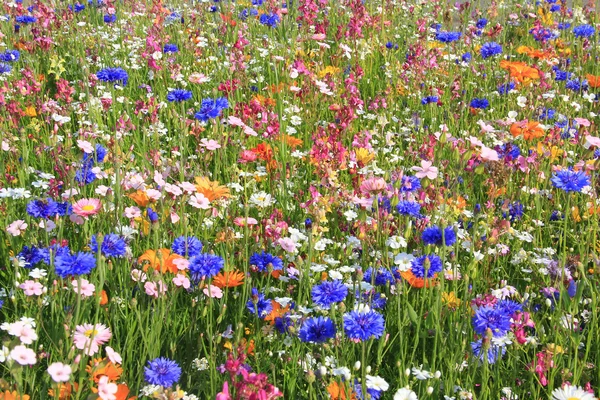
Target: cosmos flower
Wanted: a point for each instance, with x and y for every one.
(87, 207)
(88, 337)
(162, 371)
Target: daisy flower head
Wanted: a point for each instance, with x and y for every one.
(87, 207)
(89, 337)
(568, 392)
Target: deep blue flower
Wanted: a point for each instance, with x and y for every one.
(270, 20)
(179, 95)
(515, 210)
(430, 262)
(363, 325)
(162, 371)
(328, 293)
(391, 46)
(189, 246)
(541, 34)
(382, 277)
(481, 23)
(547, 113)
(560, 75)
(266, 262)
(490, 49)
(78, 8)
(491, 318)
(113, 245)
(47, 208)
(248, 12)
(479, 103)
(429, 99)
(97, 156)
(110, 18)
(564, 25)
(85, 175)
(433, 235)
(81, 263)
(170, 48)
(282, 324)
(317, 330)
(447, 37)
(494, 352)
(576, 85)
(152, 215)
(466, 57)
(410, 208)
(10, 56)
(173, 17)
(373, 298)
(569, 180)
(211, 108)
(25, 19)
(373, 394)
(205, 265)
(506, 87)
(584, 31)
(5, 68)
(258, 303)
(509, 307)
(410, 183)
(113, 75)
(554, 8)
(34, 255)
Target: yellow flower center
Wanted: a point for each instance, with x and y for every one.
(88, 207)
(91, 333)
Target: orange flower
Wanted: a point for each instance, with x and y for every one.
(529, 129)
(519, 71)
(291, 141)
(418, 283)
(30, 111)
(100, 367)
(140, 197)
(8, 395)
(211, 189)
(264, 151)
(276, 312)
(593, 80)
(64, 391)
(103, 298)
(122, 392)
(338, 392)
(160, 261)
(227, 279)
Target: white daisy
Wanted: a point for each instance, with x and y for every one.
(405, 394)
(572, 393)
(377, 383)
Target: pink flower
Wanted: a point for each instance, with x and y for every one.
(60, 372)
(247, 156)
(138, 275)
(17, 227)
(85, 290)
(426, 170)
(153, 194)
(210, 144)
(198, 78)
(32, 288)
(213, 291)
(474, 141)
(113, 356)
(242, 221)
(86, 146)
(182, 281)
(363, 202)
(106, 389)
(181, 263)
(155, 289)
(23, 356)
(24, 332)
(373, 185)
(582, 121)
(198, 200)
(489, 154)
(86, 207)
(89, 337)
(589, 142)
(188, 187)
(287, 244)
(133, 212)
(224, 394)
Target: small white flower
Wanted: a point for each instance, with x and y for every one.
(377, 383)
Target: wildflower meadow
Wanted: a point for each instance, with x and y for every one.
(299, 199)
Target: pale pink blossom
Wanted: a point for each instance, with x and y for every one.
(113, 356)
(138, 275)
(489, 154)
(426, 170)
(158, 179)
(287, 244)
(213, 291)
(173, 190)
(83, 288)
(592, 141)
(475, 141)
(85, 146)
(582, 121)
(153, 194)
(363, 202)
(181, 281)
(23, 331)
(373, 185)
(17, 227)
(198, 78)
(188, 187)
(133, 212)
(32, 288)
(59, 372)
(23, 355)
(89, 337)
(155, 289)
(198, 200)
(181, 263)
(87, 207)
(243, 221)
(106, 389)
(210, 144)
(174, 217)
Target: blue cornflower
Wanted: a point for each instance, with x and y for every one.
(433, 235)
(410, 183)
(576, 85)
(328, 293)
(170, 48)
(113, 75)
(162, 371)
(373, 394)
(189, 246)
(466, 57)
(42, 208)
(363, 325)
(258, 303)
(491, 318)
(479, 103)
(490, 49)
(113, 245)
(5, 68)
(25, 19)
(584, 31)
(494, 351)
(110, 18)
(211, 108)
(317, 330)
(429, 99)
(564, 25)
(205, 265)
(509, 307)
(85, 174)
(382, 276)
(34, 255)
(391, 46)
(515, 210)
(270, 20)
(81, 263)
(541, 34)
(410, 208)
(430, 262)
(547, 113)
(374, 299)
(554, 8)
(79, 8)
(245, 13)
(509, 151)
(179, 95)
(10, 56)
(447, 37)
(506, 87)
(152, 215)
(97, 156)
(266, 262)
(481, 23)
(173, 17)
(569, 180)
(560, 75)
